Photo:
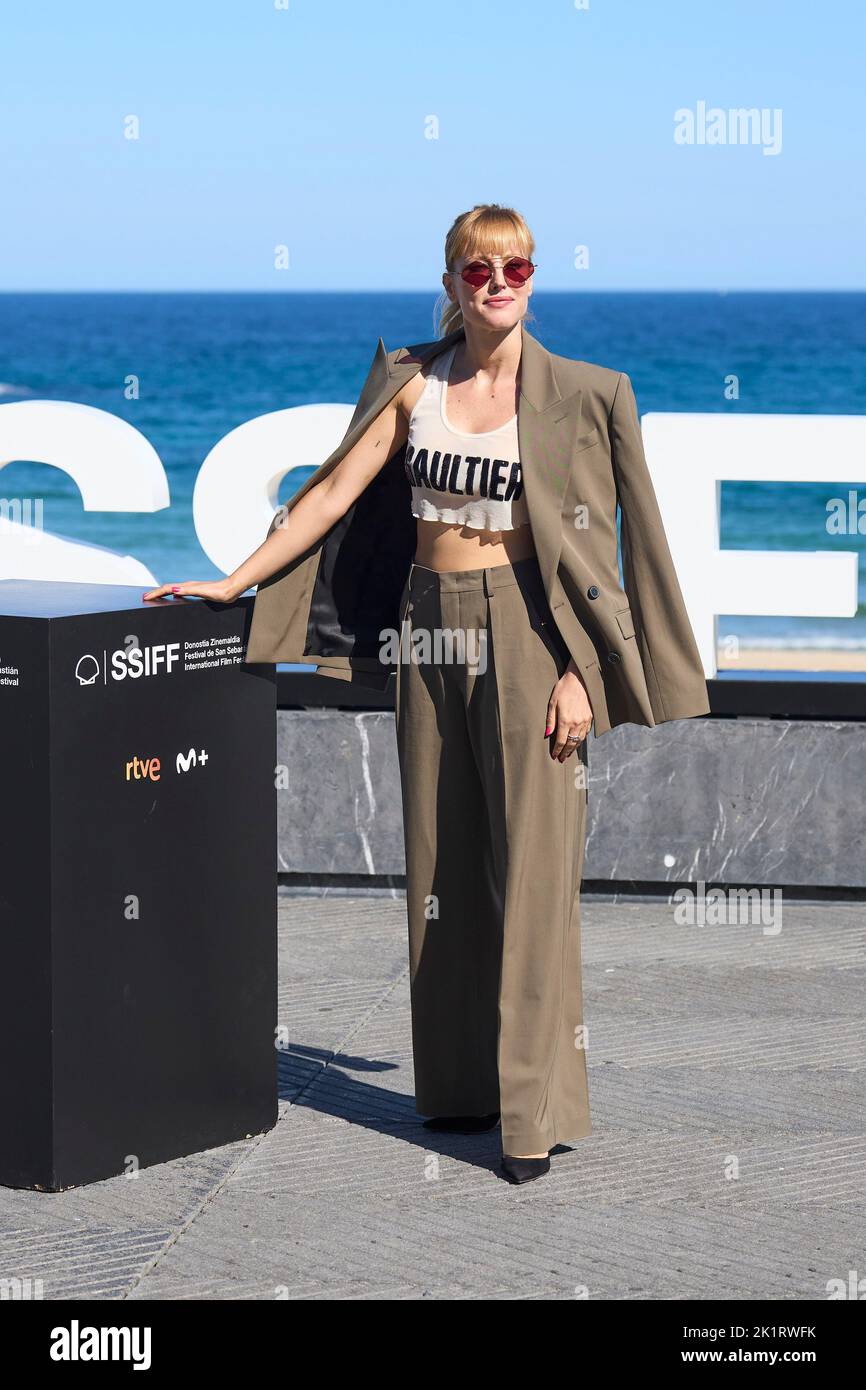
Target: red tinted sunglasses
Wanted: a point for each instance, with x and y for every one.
(516, 272)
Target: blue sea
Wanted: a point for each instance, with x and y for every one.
(208, 362)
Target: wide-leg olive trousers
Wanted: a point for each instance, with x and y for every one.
(494, 835)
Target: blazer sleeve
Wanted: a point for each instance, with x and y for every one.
(672, 664)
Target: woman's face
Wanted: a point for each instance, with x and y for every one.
(494, 305)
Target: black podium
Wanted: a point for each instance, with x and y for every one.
(138, 972)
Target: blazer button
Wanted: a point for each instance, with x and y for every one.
(592, 591)
(613, 657)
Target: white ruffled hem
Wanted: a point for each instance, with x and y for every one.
(474, 517)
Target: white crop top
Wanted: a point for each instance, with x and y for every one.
(472, 480)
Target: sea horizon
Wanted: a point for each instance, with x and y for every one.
(243, 353)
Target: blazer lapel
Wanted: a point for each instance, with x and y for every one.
(405, 364)
(547, 426)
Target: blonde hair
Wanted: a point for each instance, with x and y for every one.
(487, 229)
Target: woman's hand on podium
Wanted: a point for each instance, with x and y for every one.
(221, 590)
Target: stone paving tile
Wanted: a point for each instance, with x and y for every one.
(754, 1101)
(96, 1262)
(731, 1041)
(811, 935)
(713, 1052)
(717, 990)
(528, 1245)
(95, 1241)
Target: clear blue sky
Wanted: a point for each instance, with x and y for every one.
(305, 127)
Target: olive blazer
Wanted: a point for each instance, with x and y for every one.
(581, 458)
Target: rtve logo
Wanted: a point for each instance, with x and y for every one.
(150, 769)
(131, 662)
(143, 770)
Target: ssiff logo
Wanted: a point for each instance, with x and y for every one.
(131, 662)
(87, 670)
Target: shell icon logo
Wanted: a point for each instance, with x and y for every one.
(87, 670)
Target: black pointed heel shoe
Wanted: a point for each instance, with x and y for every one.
(463, 1124)
(524, 1169)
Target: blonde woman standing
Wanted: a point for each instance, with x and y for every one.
(463, 535)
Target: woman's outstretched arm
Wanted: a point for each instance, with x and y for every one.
(312, 516)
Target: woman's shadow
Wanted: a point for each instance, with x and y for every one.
(331, 1083)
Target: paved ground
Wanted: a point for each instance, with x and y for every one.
(711, 1050)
